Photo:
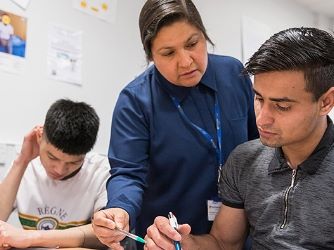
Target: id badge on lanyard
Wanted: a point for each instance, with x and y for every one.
(213, 208)
(213, 204)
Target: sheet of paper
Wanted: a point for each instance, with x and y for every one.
(8, 152)
(22, 3)
(254, 33)
(65, 55)
(102, 9)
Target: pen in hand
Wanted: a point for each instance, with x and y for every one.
(130, 235)
(175, 225)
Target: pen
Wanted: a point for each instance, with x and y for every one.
(175, 225)
(130, 235)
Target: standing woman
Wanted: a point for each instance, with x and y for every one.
(174, 125)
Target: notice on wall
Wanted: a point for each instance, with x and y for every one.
(13, 33)
(254, 33)
(65, 55)
(8, 152)
(22, 3)
(102, 9)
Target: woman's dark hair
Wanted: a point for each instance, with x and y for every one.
(156, 14)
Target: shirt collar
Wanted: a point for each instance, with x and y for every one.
(312, 163)
(72, 174)
(180, 92)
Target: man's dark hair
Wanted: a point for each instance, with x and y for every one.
(309, 50)
(71, 127)
(156, 14)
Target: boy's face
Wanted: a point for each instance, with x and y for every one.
(286, 115)
(58, 165)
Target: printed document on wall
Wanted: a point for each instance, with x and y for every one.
(103, 9)
(254, 33)
(65, 55)
(8, 152)
(22, 3)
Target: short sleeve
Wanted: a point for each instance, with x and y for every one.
(228, 187)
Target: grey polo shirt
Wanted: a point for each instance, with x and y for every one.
(286, 209)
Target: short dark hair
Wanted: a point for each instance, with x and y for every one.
(71, 127)
(156, 14)
(309, 50)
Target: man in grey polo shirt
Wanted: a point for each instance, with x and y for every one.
(280, 188)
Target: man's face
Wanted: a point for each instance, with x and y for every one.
(57, 164)
(286, 115)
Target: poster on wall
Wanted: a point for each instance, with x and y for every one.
(103, 9)
(13, 36)
(64, 55)
(254, 33)
(8, 153)
(22, 3)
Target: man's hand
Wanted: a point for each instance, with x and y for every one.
(13, 237)
(30, 146)
(104, 223)
(161, 235)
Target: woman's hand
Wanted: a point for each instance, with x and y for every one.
(104, 223)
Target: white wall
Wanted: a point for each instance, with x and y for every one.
(112, 54)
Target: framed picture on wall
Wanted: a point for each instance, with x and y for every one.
(13, 39)
(13, 32)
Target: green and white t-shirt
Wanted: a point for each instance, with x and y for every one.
(43, 203)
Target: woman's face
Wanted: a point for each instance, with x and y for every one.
(180, 54)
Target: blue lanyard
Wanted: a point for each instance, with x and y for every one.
(205, 134)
